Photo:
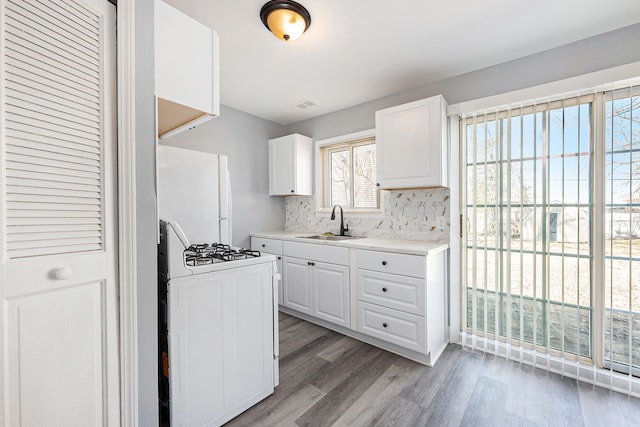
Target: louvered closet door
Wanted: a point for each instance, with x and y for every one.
(59, 295)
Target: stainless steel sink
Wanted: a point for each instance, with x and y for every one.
(325, 237)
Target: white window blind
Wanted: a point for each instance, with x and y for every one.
(551, 269)
(53, 155)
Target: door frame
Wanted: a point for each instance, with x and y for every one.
(127, 261)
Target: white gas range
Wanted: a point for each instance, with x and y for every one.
(218, 329)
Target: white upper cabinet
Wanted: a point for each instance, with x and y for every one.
(290, 165)
(186, 71)
(411, 145)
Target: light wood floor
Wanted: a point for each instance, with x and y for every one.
(327, 379)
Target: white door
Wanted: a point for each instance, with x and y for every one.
(59, 340)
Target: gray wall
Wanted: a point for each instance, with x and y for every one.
(146, 233)
(244, 139)
(585, 56)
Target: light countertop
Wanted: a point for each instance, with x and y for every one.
(412, 247)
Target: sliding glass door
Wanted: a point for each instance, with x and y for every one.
(622, 231)
(539, 274)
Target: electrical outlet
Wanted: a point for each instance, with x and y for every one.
(441, 223)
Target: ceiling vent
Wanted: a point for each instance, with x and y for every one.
(304, 104)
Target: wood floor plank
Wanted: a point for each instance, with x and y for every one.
(544, 398)
(298, 335)
(333, 374)
(288, 411)
(486, 404)
(401, 413)
(449, 404)
(285, 321)
(339, 349)
(341, 397)
(369, 408)
(601, 407)
(424, 389)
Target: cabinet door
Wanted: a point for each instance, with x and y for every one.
(411, 145)
(297, 284)
(184, 62)
(281, 166)
(331, 292)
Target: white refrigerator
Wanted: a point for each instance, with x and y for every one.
(194, 191)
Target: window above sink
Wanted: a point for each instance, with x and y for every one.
(346, 174)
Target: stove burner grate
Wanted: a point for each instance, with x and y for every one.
(204, 254)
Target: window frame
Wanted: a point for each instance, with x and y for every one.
(322, 184)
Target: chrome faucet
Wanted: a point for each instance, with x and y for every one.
(333, 217)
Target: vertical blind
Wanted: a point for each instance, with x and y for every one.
(550, 260)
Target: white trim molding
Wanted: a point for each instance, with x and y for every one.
(127, 213)
(599, 80)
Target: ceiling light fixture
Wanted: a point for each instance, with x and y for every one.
(287, 20)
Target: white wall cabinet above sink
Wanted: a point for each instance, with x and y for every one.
(290, 165)
(411, 145)
(186, 71)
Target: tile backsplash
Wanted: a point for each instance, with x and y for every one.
(407, 214)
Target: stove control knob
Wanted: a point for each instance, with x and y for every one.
(62, 273)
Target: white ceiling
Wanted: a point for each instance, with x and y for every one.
(359, 50)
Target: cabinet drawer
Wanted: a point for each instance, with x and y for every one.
(321, 253)
(403, 329)
(391, 290)
(272, 246)
(387, 262)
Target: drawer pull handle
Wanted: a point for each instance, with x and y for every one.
(384, 325)
(384, 289)
(384, 262)
(311, 263)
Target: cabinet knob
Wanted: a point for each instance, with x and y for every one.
(384, 289)
(279, 257)
(377, 184)
(292, 191)
(384, 325)
(61, 273)
(384, 262)
(264, 246)
(311, 263)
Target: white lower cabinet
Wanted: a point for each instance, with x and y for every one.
(314, 286)
(402, 300)
(398, 301)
